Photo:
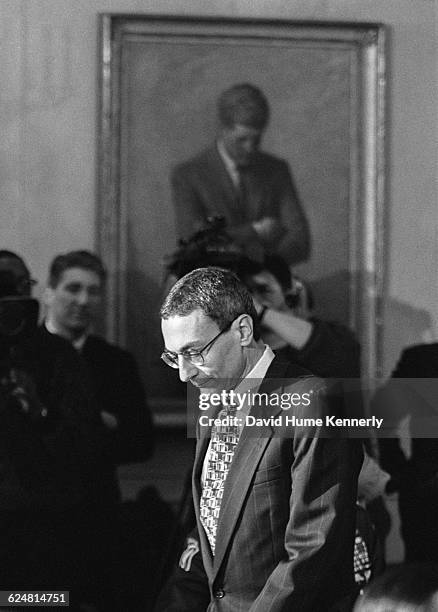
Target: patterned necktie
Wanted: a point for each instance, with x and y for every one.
(361, 560)
(224, 439)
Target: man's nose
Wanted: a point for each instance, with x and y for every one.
(186, 368)
(83, 297)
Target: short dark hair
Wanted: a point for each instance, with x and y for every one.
(217, 292)
(274, 264)
(75, 259)
(410, 587)
(243, 104)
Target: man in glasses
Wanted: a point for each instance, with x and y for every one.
(275, 514)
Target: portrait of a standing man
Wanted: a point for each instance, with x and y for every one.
(253, 190)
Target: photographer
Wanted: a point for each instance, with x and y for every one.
(326, 348)
(47, 447)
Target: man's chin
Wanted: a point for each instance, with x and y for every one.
(79, 327)
(205, 386)
(246, 161)
(208, 390)
(214, 386)
(201, 384)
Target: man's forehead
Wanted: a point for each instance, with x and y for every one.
(241, 130)
(263, 275)
(267, 278)
(81, 276)
(187, 329)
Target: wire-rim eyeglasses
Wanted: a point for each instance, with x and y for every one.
(195, 357)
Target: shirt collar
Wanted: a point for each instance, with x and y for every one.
(229, 163)
(258, 372)
(78, 344)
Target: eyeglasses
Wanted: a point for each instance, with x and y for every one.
(195, 357)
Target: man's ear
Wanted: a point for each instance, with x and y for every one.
(245, 327)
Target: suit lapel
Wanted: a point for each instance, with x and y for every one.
(250, 450)
(201, 449)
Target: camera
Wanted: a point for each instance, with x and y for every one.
(18, 322)
(209, 246)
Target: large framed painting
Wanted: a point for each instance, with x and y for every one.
(159, 81)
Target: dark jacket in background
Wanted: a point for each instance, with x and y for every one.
(108, 381)
(43, 459)
(111, 382)
(116, 387)
(416, 477)
(46, 458)
(332, 351)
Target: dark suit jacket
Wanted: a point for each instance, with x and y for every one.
(202, 188)
(111, 383)
(332, 351)
(49, 470)
(286, 528)
(117, 388)
(396, 400)
(44, 462)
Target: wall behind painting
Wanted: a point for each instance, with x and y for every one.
(48, 68)
(48, 73)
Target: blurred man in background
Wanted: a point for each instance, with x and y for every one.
(115, 391)
(74, 299)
